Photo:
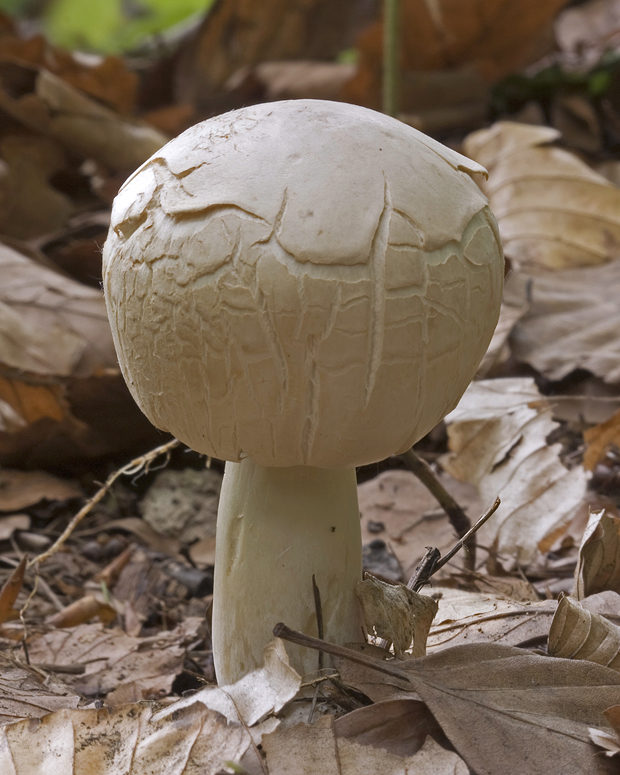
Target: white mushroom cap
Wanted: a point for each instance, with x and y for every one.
(301, 282)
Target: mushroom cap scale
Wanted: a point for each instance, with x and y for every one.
(302, 283)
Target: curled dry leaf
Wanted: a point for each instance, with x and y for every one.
(111, 742)
(51, 106)
(398, 614)
(573, 321)
(21, 489)
(26, 692)
(598, 567)
(599, 440)
(498, 441)
(577, 633)
(609, 740)
(263, 691)
(551, 208)
(82, 611)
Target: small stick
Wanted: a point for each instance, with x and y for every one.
(424, 569)
(458, 518)
(319, 615)
(138, 464)
(76, 669)
(319, 621)
(253, 743)
(432, 560)
(486, 516)
(284, 632)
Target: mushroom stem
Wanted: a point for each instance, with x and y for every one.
(276, 527)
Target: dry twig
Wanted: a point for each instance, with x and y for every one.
(142, 463)
(458, 518)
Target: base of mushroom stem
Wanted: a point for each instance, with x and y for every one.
(276, 528)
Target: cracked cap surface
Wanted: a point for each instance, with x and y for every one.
(303, 283)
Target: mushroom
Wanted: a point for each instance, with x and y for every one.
(298, 288)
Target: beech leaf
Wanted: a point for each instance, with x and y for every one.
(398, 614)
(498, 441)
(573, 321)
(599, 440)
(551, 208)
(577, 633)
(509, 712)
(598, 566)
(49, 324)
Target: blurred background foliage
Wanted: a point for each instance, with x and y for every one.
(106, 26)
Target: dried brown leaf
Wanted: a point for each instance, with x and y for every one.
(21, 489)
(183, 504)
(31, 206)
(139, 528)
(8, 525)
(309, 749)
(599, 440)
(398, 614)
(598, 567)
(494, 38)
(112, 658)
(498, 441)
(304, 749)
(49, 324)
(511, 312)
(10, 590)
(58, 370)
(26, 692)
(573, 321)
(110, 742)
(472, 617)
(302, 79)
(609, 740)
(508, 712)
(263, 691)
(577, 121)
(397, 726)
(551, 208)
(107, 79)
(82, 611)
(51, 106)
(577, 633)
(586, 32)
(270, 31)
